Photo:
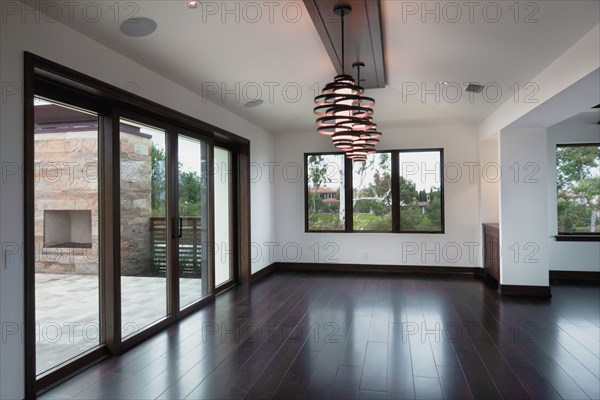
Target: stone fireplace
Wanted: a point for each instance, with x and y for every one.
(68, 229)
(66, 204)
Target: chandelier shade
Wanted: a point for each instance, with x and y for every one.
(344, 113)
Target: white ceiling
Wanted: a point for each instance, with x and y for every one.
(206, 48)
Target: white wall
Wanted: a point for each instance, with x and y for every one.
(569, 256)
(461, 205)
(523, 207)
(490, 180)
(67, 47)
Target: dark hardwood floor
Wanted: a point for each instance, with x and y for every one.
(306, 335)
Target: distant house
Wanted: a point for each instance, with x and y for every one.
(325, 193)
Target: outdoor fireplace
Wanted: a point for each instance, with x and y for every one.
(68, 229)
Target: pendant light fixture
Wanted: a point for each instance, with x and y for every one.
(368, 136)
(343, 112)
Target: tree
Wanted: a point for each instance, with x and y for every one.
(408, 192)
(578, 184)
(324, 215)
(190, 193)
(372, 197)
(191, 187)
(158, 181)
(317, 176)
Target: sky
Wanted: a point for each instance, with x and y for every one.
(418, 167)
(190, 150)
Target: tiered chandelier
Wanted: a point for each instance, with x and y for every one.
(344, 113)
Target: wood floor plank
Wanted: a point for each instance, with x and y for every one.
(561, 381)
(536, 385)
(346, 383)
(374, 375)
(368, 395)
(321, 380)
(454, 384)
(400, 383)
(356, 345)
(481, 383)
(423, 362)
(428, 388)
(293, 383)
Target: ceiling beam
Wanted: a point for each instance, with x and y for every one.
(364, 39)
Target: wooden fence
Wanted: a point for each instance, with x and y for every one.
(190, 246)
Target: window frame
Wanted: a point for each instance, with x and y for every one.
(566, 236)
(393, 207)
(306, 225)
(396, 178)
(395, 187)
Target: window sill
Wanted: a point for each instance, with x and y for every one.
(577, 238)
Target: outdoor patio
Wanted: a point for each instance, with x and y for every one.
(67, 311)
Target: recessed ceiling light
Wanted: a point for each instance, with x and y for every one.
(192, 4)
(138, 26)
(253, 103)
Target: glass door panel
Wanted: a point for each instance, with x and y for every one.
(66, 214)
(223, 245)
(144, 250)
(192, 220)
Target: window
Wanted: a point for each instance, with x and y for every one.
(372, 193)
(325, 205)
(578, 189)
(398, 191)
(420, 191)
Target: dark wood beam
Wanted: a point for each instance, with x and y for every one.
(363, 32)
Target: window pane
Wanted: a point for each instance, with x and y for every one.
(578, 188)
(223, 248)
(143, 226)
(372, 193)
(67, 268)
(325, 193)
(193, 220)
(420, 191)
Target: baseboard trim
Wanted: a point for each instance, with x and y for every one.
(505, 290)
(592, 276)
(378, 269)
(529, 291)
(258, 275)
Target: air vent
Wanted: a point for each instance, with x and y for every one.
(474, 88)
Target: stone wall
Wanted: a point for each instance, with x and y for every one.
(136, 183)
(66, 178)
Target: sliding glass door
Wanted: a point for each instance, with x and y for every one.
(224, 255)
(129, 221)
(164, 224)
(192, 220)
(143, 228)
(66, 229)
